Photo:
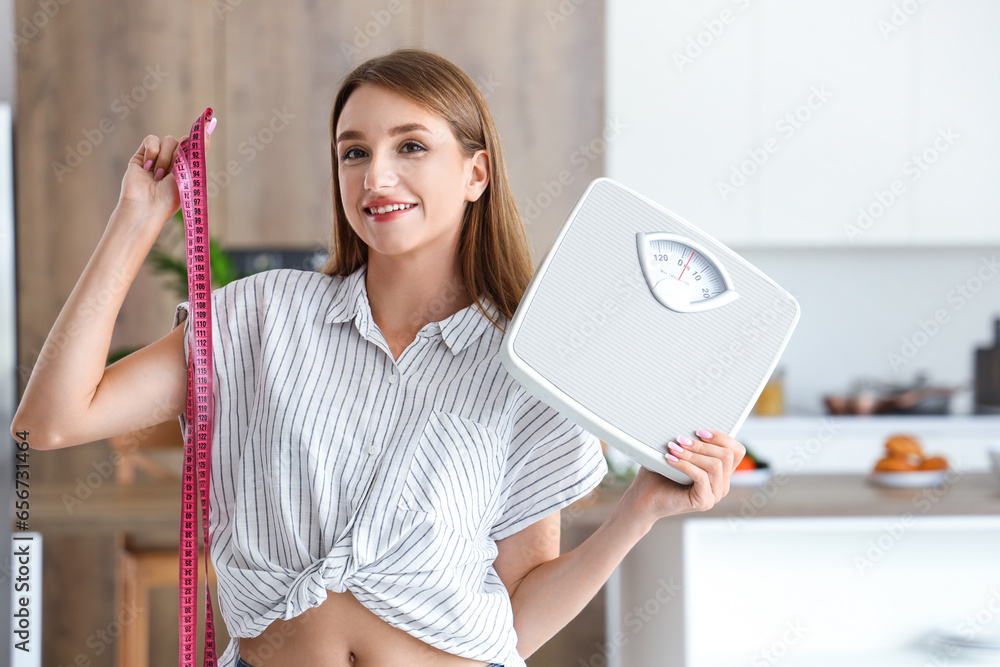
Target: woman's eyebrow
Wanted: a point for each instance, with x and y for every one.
(399, 129)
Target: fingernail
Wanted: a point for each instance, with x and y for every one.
(685, 441)
(671, 457)
(159, 174)
(149, 163)
(702, 433)
(674, 446)
(211, 125)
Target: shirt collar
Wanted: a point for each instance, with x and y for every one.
(457, 330)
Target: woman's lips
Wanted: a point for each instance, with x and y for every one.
(389, 216)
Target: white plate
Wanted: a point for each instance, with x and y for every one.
(909, 480)
(754, 477)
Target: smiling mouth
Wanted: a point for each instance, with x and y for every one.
(378, 210)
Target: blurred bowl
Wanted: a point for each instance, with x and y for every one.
(922, 401)
(995, 457)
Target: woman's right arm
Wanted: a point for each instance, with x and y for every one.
(71, 398)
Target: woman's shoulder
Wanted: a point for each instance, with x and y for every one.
(281, 284)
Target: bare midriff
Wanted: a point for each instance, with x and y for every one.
(342, 632)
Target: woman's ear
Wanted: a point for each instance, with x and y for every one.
(479, 175)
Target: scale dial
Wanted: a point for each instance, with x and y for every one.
(682, 274)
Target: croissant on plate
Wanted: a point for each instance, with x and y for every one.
(903, 453)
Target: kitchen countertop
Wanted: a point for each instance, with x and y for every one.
(822, 495)
(156, 505)
(149, 506)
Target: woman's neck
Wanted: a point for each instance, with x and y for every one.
(405, 295)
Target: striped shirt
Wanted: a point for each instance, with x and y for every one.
(336, 467)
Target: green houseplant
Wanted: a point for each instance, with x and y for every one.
(174, 267)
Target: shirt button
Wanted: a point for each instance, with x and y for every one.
(392, 378)
(373, 449)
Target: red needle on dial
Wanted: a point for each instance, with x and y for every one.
(686, 265)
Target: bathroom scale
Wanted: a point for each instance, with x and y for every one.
(640, 327)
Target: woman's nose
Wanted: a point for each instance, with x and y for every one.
(381, 172)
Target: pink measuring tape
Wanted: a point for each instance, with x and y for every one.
(190, 174)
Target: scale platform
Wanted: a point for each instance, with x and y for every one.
(640, 327)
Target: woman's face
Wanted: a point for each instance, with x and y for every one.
(394, 153)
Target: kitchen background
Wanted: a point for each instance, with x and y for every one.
(672, 98)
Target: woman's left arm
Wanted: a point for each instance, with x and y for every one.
(548, 590)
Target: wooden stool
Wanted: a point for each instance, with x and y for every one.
(140, 571)
(157, 451)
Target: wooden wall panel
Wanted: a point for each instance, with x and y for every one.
(94, 80)
(288, 60)
(541, 65)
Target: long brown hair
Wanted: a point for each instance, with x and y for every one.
(493, 248)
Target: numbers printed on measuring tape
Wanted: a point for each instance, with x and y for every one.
(190, 171)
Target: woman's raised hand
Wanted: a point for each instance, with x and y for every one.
(149, 184)
(709, 461)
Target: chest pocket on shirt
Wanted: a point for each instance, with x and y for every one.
(455, 472)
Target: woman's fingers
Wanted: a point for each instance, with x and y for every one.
(709, 462)
(164, 159)
(703, 493)
(150, 144)
(713, 467)
(718, 444)
(156, 155)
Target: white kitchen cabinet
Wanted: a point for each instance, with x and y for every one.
(835, 96)
(781, 124)
(826, 570)
(955, 168)
(680, 80)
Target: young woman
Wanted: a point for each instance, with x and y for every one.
(383, 492)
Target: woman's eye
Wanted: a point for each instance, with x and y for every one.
(351, 153)
(415, 145)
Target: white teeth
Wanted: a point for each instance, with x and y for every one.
(384, 209)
